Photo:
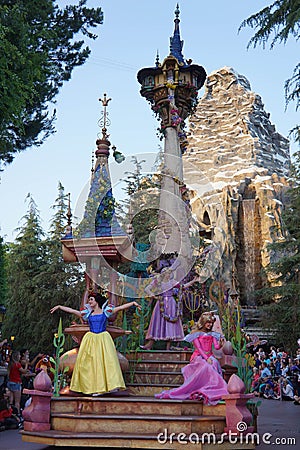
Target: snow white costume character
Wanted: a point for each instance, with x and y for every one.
(97, 369)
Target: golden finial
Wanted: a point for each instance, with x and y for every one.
(104, 121)
(92, 169)
(69, 213)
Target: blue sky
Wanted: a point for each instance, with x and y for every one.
(128, 40)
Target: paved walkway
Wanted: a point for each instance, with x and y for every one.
(276, 420)
(282, 420)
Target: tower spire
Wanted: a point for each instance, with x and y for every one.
(99, 215)
(103, 143)
(176, 44)
(69, 212)
(171, 88)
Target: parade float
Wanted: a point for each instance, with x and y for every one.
(136, 419)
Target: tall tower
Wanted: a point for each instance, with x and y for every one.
(171, 88)
(98, 242)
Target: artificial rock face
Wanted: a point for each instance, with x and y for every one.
(236, 167)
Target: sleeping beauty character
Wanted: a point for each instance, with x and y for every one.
(97, 369)
(203, 375)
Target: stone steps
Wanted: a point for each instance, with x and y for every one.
(150, 372)
(146, 390)
(154, 378)
(133, 422)
(156, 366)
(135, 418)
(130, 440)
(124, 405)
(145, 424)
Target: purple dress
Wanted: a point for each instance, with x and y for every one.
(202, 380)
(160, 328)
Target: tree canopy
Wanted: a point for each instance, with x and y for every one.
(39, 49)
(38, 278)
(282, 299)
(274, 24)
(3, 274)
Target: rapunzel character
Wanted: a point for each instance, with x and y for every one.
(203, 375)
(97, 369)
(165, 323)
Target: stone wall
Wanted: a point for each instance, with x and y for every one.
(237, 167)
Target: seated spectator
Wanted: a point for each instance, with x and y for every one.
(271, 366)
(287, 392)
(277, 365)
(296, 400)
(269, 393)
(8, 418)
(276, 389)
(284, 369)
(294, 377)
(257, 361)
(265, 378)
(272, 353)
(261, 354)
(265, 373)
(255, 380)
(279, 352)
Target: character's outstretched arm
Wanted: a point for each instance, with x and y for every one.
(126, 306)
(66, 309)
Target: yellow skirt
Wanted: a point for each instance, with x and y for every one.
(97, 369)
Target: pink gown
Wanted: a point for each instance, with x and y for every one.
(202, 380)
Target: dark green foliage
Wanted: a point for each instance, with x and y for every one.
(142, 205)
(282, 302)
(26, 258)
(275, 24)
(3, 274)
(38, 279)
(38, 52)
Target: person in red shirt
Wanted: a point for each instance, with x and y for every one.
(14, 382)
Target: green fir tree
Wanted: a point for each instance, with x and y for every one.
(282, 308)
(40, 45)
(26, 259)
(276, 23)
(3, 272)
(39, 279)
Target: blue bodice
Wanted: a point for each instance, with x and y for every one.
(97, 323)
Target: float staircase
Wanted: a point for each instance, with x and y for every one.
(136, 419)
(152, 371)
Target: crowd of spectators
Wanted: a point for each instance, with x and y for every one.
(17, 371)
(276, 375)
